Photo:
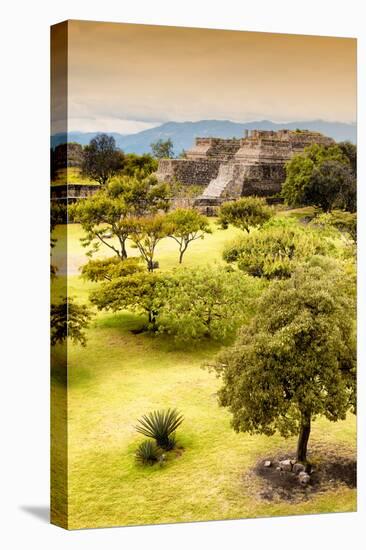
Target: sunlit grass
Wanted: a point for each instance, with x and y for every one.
(121, 375)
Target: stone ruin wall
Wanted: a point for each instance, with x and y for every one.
(257, 162)
(188, 172)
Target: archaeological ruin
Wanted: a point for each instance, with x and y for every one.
(231, 168)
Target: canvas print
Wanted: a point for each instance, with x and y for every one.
(203, 268)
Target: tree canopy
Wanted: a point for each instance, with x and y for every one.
(245, 213)
(322, 176)
(162, 149)
(204, 302)
(185, 225)
(275, 251)
(69, 320)
(297, 358)
(102, 159)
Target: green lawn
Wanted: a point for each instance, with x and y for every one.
(118, 377)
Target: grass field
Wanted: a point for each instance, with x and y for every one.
(119, 376)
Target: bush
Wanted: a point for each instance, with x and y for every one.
(274, 252)
(147, 453)
(161, 425)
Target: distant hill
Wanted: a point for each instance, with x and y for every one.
(183, 134)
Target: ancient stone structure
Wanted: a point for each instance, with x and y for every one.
(232, 168)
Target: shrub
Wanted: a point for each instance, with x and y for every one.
(275, 251)
(161, 425)
(147, 453)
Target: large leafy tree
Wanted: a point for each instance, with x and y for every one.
(296, 361)
(102, 159)
(69, 320)
(162, 149)
(185, 225)
(204, 302)
(321, 176)
(245, 213)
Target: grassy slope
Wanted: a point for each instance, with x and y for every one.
(120, 376)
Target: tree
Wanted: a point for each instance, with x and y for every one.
(332, 185)
(162, 149)
(142, 197)
(69, 320)
(102, 159)
(321, 176)
(244, 213)
(135, 292)
(111, 212)
(204, 302)
(297, 359)
(349, 150)
(110, 268)
(147, 232)
(102, 216)
(275, 252)
(185, 226)
(139, 166)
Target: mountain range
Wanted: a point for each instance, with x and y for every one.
(183, 134)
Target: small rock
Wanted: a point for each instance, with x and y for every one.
(278, 468)
(298, 467)
(267, 463)
(286, 465)
(304, 478)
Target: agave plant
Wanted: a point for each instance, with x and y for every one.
(161, 425)
(147, 453)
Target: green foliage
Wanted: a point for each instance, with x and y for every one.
(69, 320)
(141, 196)
(321, 176)
(139, 166)
(161, 426)
(297, 359)
(349, 150)
(110, 268)
(147, 453)
(102, 159)
(134, 292)
(276, 250)
(112, 211)
(185, 225)
(147, 232)
(244, 213)
(162, 149)
(345, 222)
(204, 302)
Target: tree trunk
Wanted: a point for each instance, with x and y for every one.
(123, 250)
(181, 256)
(302, 444)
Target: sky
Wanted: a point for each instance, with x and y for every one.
(127, 78)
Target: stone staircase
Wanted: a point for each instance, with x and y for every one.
(213, 192)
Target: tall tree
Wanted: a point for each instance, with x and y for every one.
(102, 159)
(162, 149)
(147, 232)
(245, 213)
(297, 359)
(185, 225)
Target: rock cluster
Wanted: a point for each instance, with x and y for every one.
(294, 468)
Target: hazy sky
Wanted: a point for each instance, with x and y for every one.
(127, 78)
